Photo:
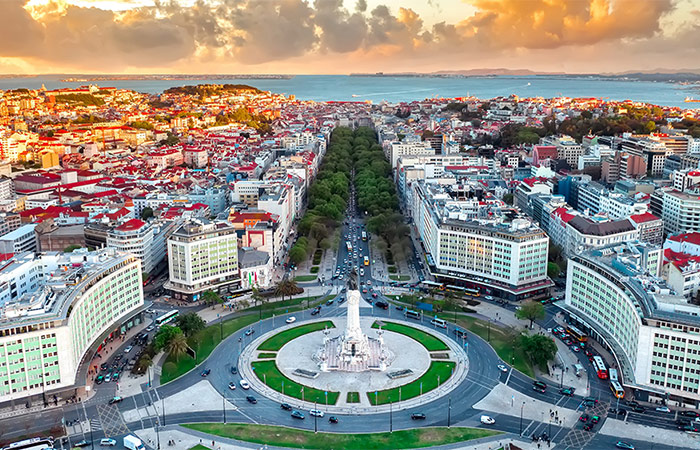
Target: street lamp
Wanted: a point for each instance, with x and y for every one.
(223, 406)
(316, 416)
(449, 410)
(521, 418)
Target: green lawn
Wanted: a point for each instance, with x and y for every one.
(400, 277)
(429, 379)
(431, 343)
(267, 355)
(353, 397)
(199, 447)
(276, 342)
(206, 340)
(500, 339)
(305, 278)
(290, 437)
(268, 373)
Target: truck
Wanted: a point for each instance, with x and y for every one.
(133, 443)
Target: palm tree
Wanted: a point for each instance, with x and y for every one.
(177, 345)
(286, 288)
(258, 298)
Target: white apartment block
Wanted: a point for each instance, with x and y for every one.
(144, 240)
(202, 255)
(620, 206)
(680, 211)
(396, 150)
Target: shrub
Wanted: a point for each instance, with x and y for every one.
(391, 269)
(314, 269)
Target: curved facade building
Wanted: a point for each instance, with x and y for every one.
(55, 311)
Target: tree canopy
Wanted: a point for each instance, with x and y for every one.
(190, 323)
(540, 349)
(531, 311)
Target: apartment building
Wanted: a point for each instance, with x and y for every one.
(147, 241)
(395, 150)
(19, 240)
(55, 310)
(202, 255)
(680, 211)
(616, 295)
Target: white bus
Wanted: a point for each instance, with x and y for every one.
(600, 368)
(616, 389)
(167, 317)
(349, 246)
(612, 374)
(37, 443)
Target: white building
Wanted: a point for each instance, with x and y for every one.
(396, 150)
(679, 211)
(202, 255)
(144, 240)
(63, 307)
(20, 240)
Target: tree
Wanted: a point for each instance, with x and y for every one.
(147, 213)
(211, 298)
(258, 299)
(190, 323)
(540, 349)
(71, 248)
(297, 254)
(177, 345)
(552, 270)
(165, 335)
(287, 288)
(530, 311)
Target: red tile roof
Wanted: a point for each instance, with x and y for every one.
(131, 225)
(641, 218)
(693, 238)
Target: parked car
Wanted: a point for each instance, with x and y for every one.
(624, 445)
(689, 414)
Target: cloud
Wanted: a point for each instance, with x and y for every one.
(340, 31)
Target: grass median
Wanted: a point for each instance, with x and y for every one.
(400, 277)
(276, 342)
(303, 278)
(290, 437)
(438, 372)
(269, 373)
(430, 342)
(205, 341)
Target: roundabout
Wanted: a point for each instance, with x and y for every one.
(284, 364)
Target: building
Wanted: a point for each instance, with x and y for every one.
(202, 256)
(615, 294)
(680, 211)
(396, 150)
(144, 240)
(483, 247)
(651, 228)
(18, 241)
(590, 232)
(56, 310)
(52, 237)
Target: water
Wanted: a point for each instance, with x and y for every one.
(395, 89)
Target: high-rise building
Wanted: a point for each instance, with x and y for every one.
(202, 255)
(55, 311)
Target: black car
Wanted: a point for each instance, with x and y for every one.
(418, 416)
(297, 415)
(689, 414)
(234, 370)
(638, 409)
(381, 304)
(333, 419)
(588, 426)
(329, 302)
(682, 422)
(286, 406)
(82, 443)
(539, 386)
(206, 372)
(251, 399)
(315, 311)
(341, 300)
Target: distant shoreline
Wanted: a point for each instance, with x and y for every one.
(77, 78)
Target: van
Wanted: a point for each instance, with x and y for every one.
(578, 370)
(439, 323)
(131, 442)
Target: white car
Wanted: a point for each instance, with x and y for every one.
(502, 368)
(291, 319)
(244, 384)
(128, 349)
(232, 386)
(486, 420)
(665, 409)
(107, 442)
(316, 413)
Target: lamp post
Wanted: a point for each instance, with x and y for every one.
(162, 403)
(316, 416)
(449, 410)
(223, 406)
(561, 382)
(391, 425)
(521, 418)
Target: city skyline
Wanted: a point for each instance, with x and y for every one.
(336, 37)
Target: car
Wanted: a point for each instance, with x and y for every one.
(682, 422)
(539, 386)
(150, 311)
(316, 413)
(100, 379)
(576, 348)
(691, 428)
(332, 419)
(588, 426)
(108, 378)
(150, 328)
(82, 443)
(128, 348)
(665, 409)
(341, 300)
(329, 302)
(487, 420)
(107, 442)
(689, 414)
(234, 370)
(232, 385)
(590, 401)
(638, 409)
(205, 372)
(369, 282)
(488, 297)
(624, 445)
(297, 415)
(587, 352)
(115, 376)
(114, 400)
(418, 416)
(104, 366)
(286, 406)
(249, 331)
(251, 399)
(315, 311)
(364, 291)
(291, 319)
(584, 418)
(567, 391)
(460, 333)
(374, 295)
(501, 367)
(244, 384)
(595, 419)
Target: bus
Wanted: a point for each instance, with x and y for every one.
(612, 374)
(364, 236)
(349, 246)
(600, 368)
(617, 390)
(474, 292)
(432, 285)
(167, 317)
(413, 314)
(37, 443)
(576, 333)
(366, 261)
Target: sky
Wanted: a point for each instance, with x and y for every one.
(346, 36)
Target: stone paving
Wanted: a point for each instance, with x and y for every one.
(627, 430)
